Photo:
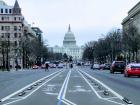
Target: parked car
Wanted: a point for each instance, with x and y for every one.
(96, 66)
(102, 66)
(52, 65)
(117, 66)
(132, 69)
(43, 66)
(60, 65)
(107, 66)
(35, 67)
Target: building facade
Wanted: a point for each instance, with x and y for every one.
(128, 24)
(69, 46)
(13, 29)
(133, 18)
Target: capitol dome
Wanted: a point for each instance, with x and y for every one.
(69, 39)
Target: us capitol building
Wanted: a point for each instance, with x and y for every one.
(69, 46)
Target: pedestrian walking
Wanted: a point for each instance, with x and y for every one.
(46, 67)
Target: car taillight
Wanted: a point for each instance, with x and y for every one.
(129, 69)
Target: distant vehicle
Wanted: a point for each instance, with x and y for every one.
(87, 64)
(107, 66)
(96, 66)
(43, 66)
(132, 69)
(102, 66)
(35, 67)
(117, 66)
(60, 65)
(51, 65)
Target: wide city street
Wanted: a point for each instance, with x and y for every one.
(76, 86)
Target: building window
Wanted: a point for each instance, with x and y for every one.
(19, 28)
(15, 43)
(15, 18)
(19, 42)
(15, 28)
(2, 28)
(19, 18)
(6, 10)
(10, 10)
(7, 18)
(1, 10)
(15, 35)
(19, 35)
(8, 35)
(2, 35)
(7, 28)
(2, 18)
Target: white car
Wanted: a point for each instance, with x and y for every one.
(60, 65)
(96, 66)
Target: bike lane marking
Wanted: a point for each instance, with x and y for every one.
(96, 92)
(62, 93)
(22, 98)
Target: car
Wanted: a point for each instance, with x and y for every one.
(96, 66)
(60, 65)
(102, 66)
(117, 66)
(86, 64)
(35, 67)
(132, 69)
(43, 66)
(107, 66)
(52, 65)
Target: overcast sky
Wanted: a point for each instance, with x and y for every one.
(89, 19)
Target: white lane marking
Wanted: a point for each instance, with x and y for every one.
(79, 90)
(9, 96)
(42, 85)
(49, 93)
(111, 97)
(62, 92)
(96, 91)
(65, 102)
(65, 88)
(34, 90)
(16, 98)
(100, 91)
(71, 103)
(108, 88)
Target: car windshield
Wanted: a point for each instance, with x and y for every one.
(135, 67)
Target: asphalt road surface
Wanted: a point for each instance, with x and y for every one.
(77, 86)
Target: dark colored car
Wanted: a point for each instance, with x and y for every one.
(132, 69)
(117, 66)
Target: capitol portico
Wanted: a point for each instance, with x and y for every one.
(69, 46)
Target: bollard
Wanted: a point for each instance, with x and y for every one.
(21, 93)
(127, 100)
(106, 93)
